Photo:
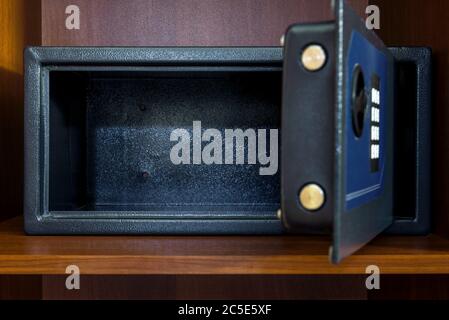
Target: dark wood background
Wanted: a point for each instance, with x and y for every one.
(426, 23)
(19, 26)
(226, 288)
(180, 22)
(210, 23)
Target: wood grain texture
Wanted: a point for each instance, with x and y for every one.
(419, 23)
(347, 287)
(214, 287)
(19, 27)
(180, 22)
(414, 287)
(22, 287)
(224, 287)
(281, 255)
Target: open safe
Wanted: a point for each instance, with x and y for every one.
(100, 122)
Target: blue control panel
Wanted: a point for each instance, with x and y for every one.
(365, 152)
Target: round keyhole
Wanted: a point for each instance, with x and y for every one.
(359, 101)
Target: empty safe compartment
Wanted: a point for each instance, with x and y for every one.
(110, 141)
(106, 120)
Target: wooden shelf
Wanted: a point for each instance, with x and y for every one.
(277, 255)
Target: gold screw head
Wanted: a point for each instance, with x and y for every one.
(313, 57)
(282, 40)
(312, 197)
(279, 214)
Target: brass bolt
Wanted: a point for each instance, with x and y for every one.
(282, 40)
(312, 197)
(313, 57)
(279, 214)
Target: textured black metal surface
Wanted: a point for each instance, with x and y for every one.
(125, 126)
(354, 228)
(97, 139)
(413, 144)
(308, 111)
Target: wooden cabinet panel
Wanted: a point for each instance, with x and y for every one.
(19, 27)
(180, 22)
(213, 287)
(426, 23)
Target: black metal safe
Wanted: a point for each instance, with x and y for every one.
(98, 124)
(189, 140)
